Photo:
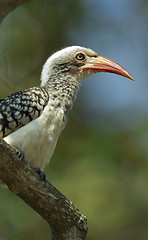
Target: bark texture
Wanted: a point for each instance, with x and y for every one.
(64, 218)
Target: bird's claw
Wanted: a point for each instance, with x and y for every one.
(41, 174)
(20, 154)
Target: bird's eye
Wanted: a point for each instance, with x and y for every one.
(80, 56)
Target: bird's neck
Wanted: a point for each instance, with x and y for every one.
(63, 90)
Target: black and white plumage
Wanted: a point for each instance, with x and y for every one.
(32, 120)
(20, 108)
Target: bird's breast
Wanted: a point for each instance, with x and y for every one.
(53, 115)
(38, 138)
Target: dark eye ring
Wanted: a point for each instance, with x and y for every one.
(80, 56)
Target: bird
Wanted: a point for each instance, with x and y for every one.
(32, 120)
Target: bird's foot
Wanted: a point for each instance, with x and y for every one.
(41, 174)
(20, 154)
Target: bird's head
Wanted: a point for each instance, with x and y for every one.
(79, 62)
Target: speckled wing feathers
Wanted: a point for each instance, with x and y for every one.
(20, 108)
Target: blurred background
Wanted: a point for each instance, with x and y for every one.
(101, 160)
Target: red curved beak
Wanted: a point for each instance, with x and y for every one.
(103, 64)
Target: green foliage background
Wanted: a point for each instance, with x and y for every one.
(104, 172)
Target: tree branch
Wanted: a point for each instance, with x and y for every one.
(64, 218)
(8, 5)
